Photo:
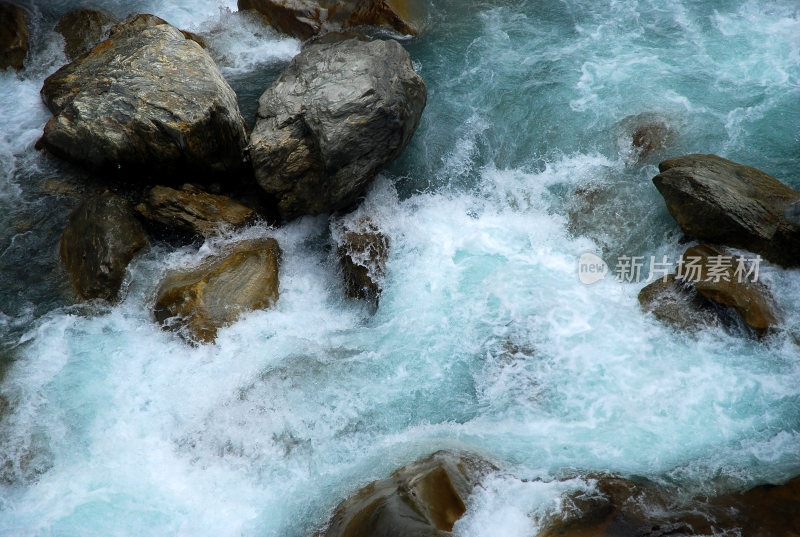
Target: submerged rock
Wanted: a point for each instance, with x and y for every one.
(423, 499)
(307, 18)
(13, 36)
(720, 201)
(83, 29)
(334, 118)
(707, 283)
(362, 256)
(101, 238)
(194, 211)
(617, 507)
(646, 133)
(148, 100)
(201, 301)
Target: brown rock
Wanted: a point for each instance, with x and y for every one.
(201, 301)
(101, 238)
(723, 202)
(13, 36)
(362, 256)
(307, 18)
(423, 499)
(750, 299)
(677, 305)
(83, 29)
(194, 211)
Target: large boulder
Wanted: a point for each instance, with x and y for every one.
(83, 29)
(148, 101)
(423, 499)
(362, 255)
(13, 36)
(334, 118)
(307, 18)
(720, 201)
(191, 210)
(201, 301)
(101, 238)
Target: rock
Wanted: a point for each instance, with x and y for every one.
(101, 238)
(362, 256)
(705, 285)
(750, 299)
(334, 118)
(423, 499)
(193, 211)
(720, 201)
(201, 301)
(13, 36)
(677, 305)
(620, 507)
(83, 29)
(646, 133)
(147, 101)
(307, 18)
(139, 22)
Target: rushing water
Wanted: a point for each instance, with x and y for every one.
(484, 339)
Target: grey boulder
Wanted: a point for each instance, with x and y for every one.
(147, 101)
(336, 116)
(720, 201)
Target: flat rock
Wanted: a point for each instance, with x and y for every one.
(146, 102)
(13, 36)
(307, 18)
(423, 499)
(336, 116)
(720, 201)
(199, 302)
(362, 256)
(191, 210)
(101, 238)
(83, 29)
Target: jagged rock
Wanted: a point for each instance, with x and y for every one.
(334, 118)
(194, 211)
(201, 301)
(83, 29)
(677, 305)
(423, 499)
(705, 285)
(146, 101)
(137, 23)
(101, 238)
(13, 36)
(720, 201)
(306, 18)
(362, 256)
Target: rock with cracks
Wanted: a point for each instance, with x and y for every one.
(147, 100)
(333, 119)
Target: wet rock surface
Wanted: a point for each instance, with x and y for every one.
(191, 210)
(13, 36)
(423, 499)
(334, 118)
(720, 201)
(362, 256)
(307, 18)
(146, 102)
(242, 278)
(101, 238)
(83, 29)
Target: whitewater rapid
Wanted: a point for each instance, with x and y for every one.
(484, 339)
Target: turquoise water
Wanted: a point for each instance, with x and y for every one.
(484, 339)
